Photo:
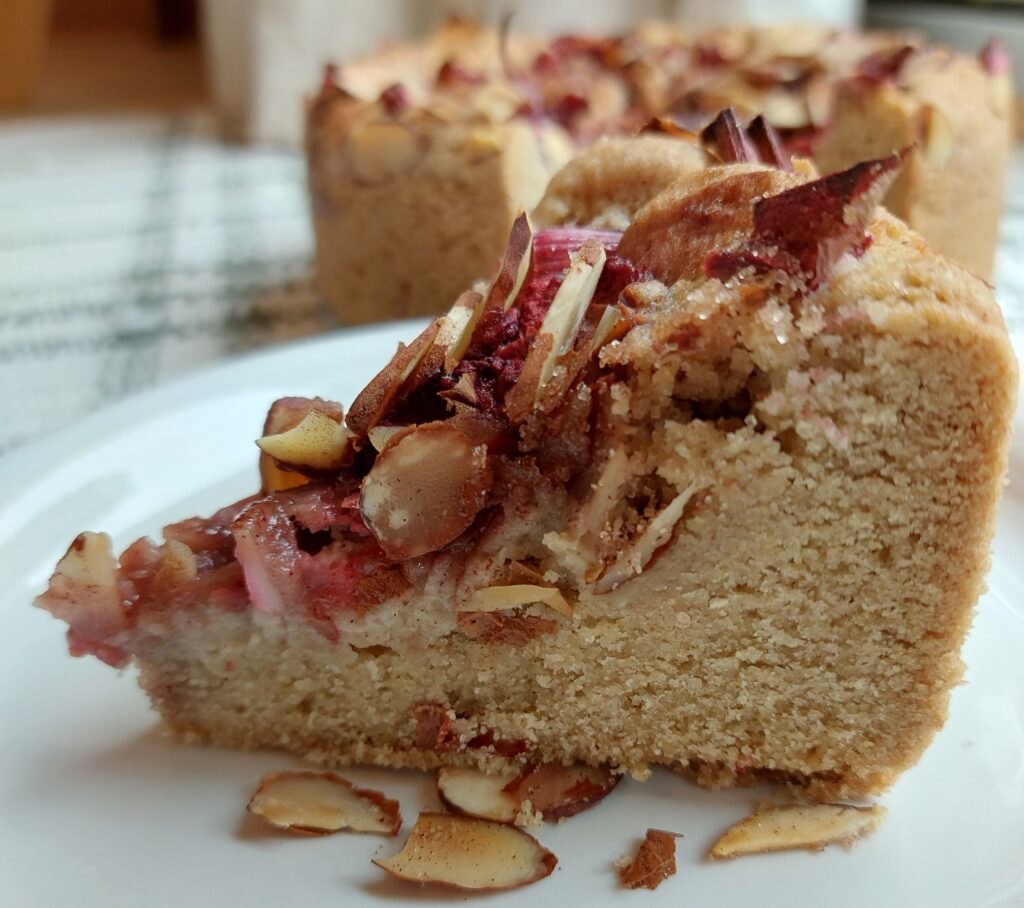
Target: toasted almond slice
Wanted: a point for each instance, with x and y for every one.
(515, 264)
(642, 549)
(372, 403)
(498, 598)
(424, 489)
(558, 791)
(606, 326)
(284, 414)
(653, 863)
(380, 152)
(594, 515)
(317, 443)
(380, 435)
(456, 329)
(478, 794)
(318, 803)
(791, 826)
(564, 317)
(523, 573)
(938, 137)
(552, 790)
(178, 566)
(469, 853)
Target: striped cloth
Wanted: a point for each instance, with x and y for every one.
(134, 249)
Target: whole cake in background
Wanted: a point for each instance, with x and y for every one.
(705, 477)
(462, 130)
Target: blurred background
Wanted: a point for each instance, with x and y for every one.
(152, 200)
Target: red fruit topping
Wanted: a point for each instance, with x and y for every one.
(805, 230)
(395, 99)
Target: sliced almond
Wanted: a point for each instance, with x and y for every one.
(653, 863)
(792, 826)
(938, 137)
(468, 853)
(499, 598)
(380, 435)
(284, 414)
(380, 152)
(642, 549)
(515, 264)
(558, 791)
(318, 803)
(572, 299)
(373, 402)
(607, 327)
(593, 517)
(178, 566)
(424, 489)
(785, 110)
(478, 794)
(456, 330)
(318, 443)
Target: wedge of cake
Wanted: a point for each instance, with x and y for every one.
(714, 492)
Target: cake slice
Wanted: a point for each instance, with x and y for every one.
(463, 129)
(715, 492)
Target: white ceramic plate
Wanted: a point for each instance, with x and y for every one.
(100, 808)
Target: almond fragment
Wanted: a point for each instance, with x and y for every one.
(593, 517)
(791, 826)
(178, 566)
(284, 414)
(318, 803)
(654, 861)
(558, 791)
(515, 265)
(318, 444)
(552, 790)
(938, 137)
(607, 327)
(468, 853)
(572, 299)
(373, 402)
(473, 793)
(424, 489)
(457, 326)
(383, 151)
(380, 435)
(498, 598)
(642, 549)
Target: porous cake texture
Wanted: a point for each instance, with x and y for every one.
(715, 493)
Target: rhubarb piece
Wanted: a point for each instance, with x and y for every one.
(84, 592)
(497, 598)
(515, 264)
(473, 793)
(804, 231)
(318, 803)
(424, 489)
(645, 546)
(729, 140)
(653, 863)
(794, 826)
(318, 445)
(459, 852)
